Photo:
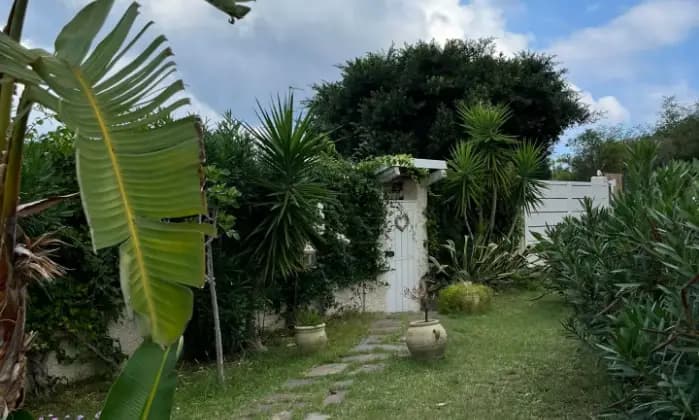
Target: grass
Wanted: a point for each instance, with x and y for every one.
(512, 362)
(199, 396)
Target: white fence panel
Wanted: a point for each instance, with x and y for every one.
(561, 199)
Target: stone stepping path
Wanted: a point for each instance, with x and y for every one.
(298, 383)
(364, 358)
(334, 397)
(378, 367)
(368, 348)
(325, 370)
(368, 357)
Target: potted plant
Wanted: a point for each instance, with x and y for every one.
(310, 331)
(426, 338)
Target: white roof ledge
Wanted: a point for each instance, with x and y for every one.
(430, 164)
(436, 169)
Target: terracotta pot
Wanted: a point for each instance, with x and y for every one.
(310, 339)
(426, 340)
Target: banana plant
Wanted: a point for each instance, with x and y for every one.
(140, 184)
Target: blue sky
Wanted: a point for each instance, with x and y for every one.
(623, 56)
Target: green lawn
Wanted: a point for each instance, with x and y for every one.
(511, 363)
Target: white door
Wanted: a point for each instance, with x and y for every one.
(401, 256)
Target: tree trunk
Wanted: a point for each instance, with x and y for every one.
(13, 291)
(13, 347)
(493, 209)
(214, 308)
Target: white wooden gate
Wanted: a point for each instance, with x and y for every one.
(401, 252)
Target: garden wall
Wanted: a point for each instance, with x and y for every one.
(124, 331)
(561, 199)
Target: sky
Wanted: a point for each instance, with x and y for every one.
(623, 56)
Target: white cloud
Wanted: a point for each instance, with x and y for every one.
(610, 110)
(202, 109)
(294, 43)
(608, 50)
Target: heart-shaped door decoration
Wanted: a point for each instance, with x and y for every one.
(401, 222)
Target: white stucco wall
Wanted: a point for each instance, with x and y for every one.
(124, 331)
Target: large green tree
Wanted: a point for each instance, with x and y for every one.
(602, 148)
(677, 131)
(405, 100)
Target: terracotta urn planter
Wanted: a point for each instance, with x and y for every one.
(310, 339)
(426, 340)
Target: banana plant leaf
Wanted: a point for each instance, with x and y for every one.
(146, 387)
(138, 169)
(233, 8)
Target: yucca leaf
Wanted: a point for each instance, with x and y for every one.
(146, 387)
(137, 169)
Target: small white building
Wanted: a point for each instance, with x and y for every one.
(404, 240)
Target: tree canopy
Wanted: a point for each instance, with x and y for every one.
(405, 100)
(601, 148)
(677, 132)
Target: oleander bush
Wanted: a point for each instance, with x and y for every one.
(630, 275)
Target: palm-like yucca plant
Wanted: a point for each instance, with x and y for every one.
(465, 179)
(490, 166)
(483, 126)
(526, 186)
(289, 151)
(139, 180)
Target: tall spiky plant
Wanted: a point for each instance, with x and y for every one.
(465, 176)
(289, 151)
(483, 126)
(490, 166)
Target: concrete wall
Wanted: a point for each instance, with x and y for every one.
(561, 199)
(125, 331)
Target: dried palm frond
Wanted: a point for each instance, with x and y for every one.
(33, 259)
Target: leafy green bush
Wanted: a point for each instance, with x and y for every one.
(308, 318)
(465, 298)
(630, 276)
(496, 265)
(348, 251)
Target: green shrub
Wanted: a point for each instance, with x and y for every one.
(309, 318)
(630, 275)
(465, 298)
(357, 215)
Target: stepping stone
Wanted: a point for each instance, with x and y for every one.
(284, 415)
(283, 397)
(378, 367)
(373, 339)
(341, 385)
(363, 358)
(325, 370)
(317, 416)
(368, 348)
(334, 398)
(298, 383)
(263, 408)
(386, 323)
(384, 330)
